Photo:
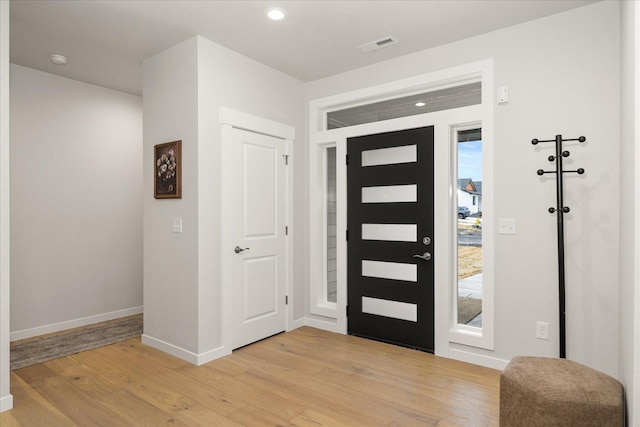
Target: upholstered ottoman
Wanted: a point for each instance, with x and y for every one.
(545, 392)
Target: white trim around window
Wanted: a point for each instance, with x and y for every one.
(448, 336)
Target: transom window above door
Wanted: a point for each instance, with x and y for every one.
(462, 95)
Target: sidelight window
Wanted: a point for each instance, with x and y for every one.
(469, 227)
(330, 206)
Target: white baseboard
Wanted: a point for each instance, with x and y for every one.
(296, 324)
(212, 355)
(181, 353)
(6, 403)
(171, 349)
(321, 324)
(478, 359)
(76, 323)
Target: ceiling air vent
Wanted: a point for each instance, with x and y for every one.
(377, 44)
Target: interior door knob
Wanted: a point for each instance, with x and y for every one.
(425, 256)
(238, 249)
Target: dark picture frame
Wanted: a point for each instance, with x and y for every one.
(167, 167)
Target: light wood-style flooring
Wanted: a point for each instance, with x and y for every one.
(306, 377)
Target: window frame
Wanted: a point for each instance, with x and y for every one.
(481, 337)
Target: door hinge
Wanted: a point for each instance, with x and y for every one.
(346, 159)
(286, 300)
(286, 230)
(286, 159)
(347, 235)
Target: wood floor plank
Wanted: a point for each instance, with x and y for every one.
(318, 393)
(431, 400)
(254, 416)
(375, 361)
(305, 377)
(77, 406)
(32, 409)
(312, 418)
(138, 412)
(266, 400)
(8, 420)
(468, 410)
(212, 398)
(152, 390)
(82, 378)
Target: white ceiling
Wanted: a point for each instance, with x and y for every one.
(106, 41)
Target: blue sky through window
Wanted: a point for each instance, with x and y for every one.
(470, 160)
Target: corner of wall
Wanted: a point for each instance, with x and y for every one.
(6, 400)
(629, 263)
(170, 261)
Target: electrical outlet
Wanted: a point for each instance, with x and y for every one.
(542, 330)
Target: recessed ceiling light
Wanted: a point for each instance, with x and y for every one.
(58, 59)
(420, 104)
(276, 14)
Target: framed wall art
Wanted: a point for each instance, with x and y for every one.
(168, 170)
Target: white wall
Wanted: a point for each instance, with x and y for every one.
(184, 89)
(629, 205)
(76, 210)
(563, 76)
(6, 400)
(170, 101)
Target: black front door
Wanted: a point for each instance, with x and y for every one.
(390, 233)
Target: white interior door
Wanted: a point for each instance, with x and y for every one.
(259, 262)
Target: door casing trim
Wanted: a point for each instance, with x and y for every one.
(231, 119)
(447, 336)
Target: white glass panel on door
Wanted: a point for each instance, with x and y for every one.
(390, 232)
(390, 194)
(390, 270)
(390, 156)
(388, 308)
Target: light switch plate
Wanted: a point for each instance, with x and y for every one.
(502, 94)
(177, 225)
(506, 226)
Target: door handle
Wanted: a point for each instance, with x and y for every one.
(425, 256)
(238, 249)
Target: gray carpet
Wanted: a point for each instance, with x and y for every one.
(32, 351)
(468, 308)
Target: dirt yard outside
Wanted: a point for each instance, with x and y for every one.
(469, 257)
(469, 261)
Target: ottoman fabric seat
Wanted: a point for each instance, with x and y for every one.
(539, 391)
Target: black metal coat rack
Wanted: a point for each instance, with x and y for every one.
(560, 210)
